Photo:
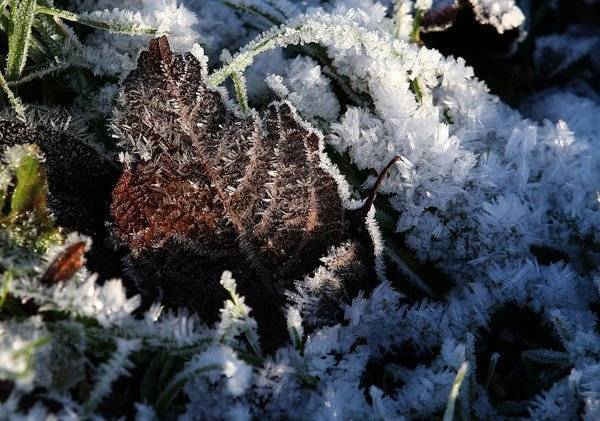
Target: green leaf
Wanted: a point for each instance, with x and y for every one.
(37, 51)
(31, 190)
(149, 386)
(22, 13)
(161, 369)
(415, 87)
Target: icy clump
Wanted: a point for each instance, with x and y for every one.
(114, 54)
(504, 15)
(305, 86)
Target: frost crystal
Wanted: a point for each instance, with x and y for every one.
(308, 89)
(20, 356)
(502, 14)
(499, 208)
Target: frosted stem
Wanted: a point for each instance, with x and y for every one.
(93, 22)
(15, 102)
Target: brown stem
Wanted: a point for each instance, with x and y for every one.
(373, 193)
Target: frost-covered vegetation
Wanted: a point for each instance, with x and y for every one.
(469, 290)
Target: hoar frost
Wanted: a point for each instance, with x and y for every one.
(478, 190)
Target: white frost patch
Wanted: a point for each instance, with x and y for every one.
(504, 15)
(305, 86)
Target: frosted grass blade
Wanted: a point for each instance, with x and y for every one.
(22, 13)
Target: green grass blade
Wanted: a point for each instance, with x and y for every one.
(37, 51)
(12, 99)
(130, 28)
(43, 72)
(239, 87)
(22, 13)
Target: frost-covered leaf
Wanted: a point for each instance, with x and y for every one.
(502, 15)
(503, 208)
(256, 195)
(108, 372)
(115, 20)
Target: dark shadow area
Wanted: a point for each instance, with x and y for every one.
(513, 331)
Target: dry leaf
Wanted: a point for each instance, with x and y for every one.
(66, 264)
(211, 190)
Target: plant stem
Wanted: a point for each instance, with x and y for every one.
(42, 73)
(118, 28)
(12, 99)
(415, 34)
(460, 377)
(239, 86)
(253, 10)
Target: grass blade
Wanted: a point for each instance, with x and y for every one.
(12, 99)
(96, 20)
(22, 13)
(460, 377)
(43, 72)
(239, 87)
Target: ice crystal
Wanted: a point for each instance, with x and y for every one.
(502, 14)
(110, 371)
(113, 54)
(23, 347)
(307, 88)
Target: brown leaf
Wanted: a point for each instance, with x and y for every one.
(65, 265)
(211, 190)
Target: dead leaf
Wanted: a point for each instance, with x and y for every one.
(212, 191)
(66, 264)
